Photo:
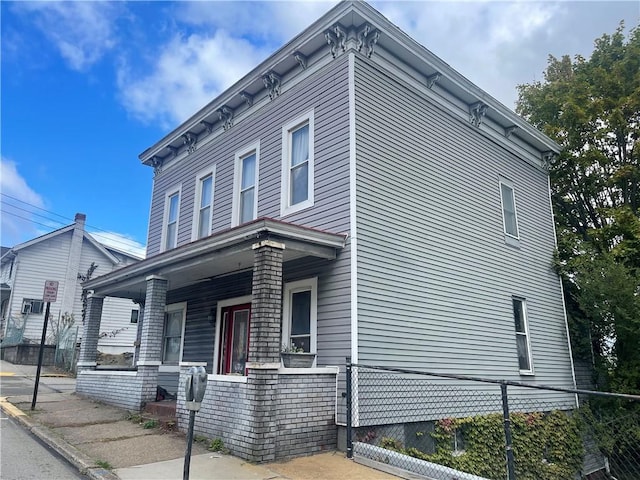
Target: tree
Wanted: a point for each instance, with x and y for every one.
(591, 107)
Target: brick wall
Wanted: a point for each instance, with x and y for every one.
(305, 415)
(121, 389)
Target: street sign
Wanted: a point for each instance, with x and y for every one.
(50, 291)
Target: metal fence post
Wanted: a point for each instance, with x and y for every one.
(511, 471)
(349, 406)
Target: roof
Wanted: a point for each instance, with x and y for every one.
(352, 23)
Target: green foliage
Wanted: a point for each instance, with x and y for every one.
(150, 424)
(217, 445)
(104, 464)
(591, 107)
(546, 446)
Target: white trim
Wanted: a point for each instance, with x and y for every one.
(165, 216)
(352, 210)
(174, 307)
(525, 320)
(228, 378)
(229, 302)
(308, 284)
(309, 371)
(148, 363)
(237, 179)
(117, 373)
(195, 225)
(285, 196)
(192, 364)
(509, 184)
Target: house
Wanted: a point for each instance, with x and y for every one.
(352, 195)
(64, 255)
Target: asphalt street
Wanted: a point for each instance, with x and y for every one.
(22, 456)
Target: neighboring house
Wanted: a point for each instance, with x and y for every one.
(355, 196)
(64, 255)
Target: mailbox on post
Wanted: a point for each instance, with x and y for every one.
(194, 388)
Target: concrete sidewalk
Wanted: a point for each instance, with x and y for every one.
(107, 443)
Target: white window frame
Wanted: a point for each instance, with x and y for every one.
(525, 321)
(169, 309)
(237, 180)
(27, 306)
(197, 207)
(285, 191)
(229, 302)
(509, 185)
(165, 216)
(308, 284)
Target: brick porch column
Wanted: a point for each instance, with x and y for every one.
(264, 349)
(150, 356)
(90, 333)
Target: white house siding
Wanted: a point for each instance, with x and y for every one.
(327, 94)
(435, 277)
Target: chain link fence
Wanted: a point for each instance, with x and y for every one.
(14, 332)
(454, 427)
(65, 357)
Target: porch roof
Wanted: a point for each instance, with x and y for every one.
(219, 254)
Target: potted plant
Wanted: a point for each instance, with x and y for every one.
(295, 357)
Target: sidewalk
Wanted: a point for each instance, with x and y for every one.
(102, 442)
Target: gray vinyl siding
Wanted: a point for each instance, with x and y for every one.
(435, 276)
(326, 93)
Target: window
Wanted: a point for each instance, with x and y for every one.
(522, 335)
(171, 214)
(299, 327)
(203, 210)
(31, 305)
(297, 165)
(509, 216)
(173, 333)
(245, 197)
(134, 316)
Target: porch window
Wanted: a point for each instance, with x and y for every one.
(203, 210)
(299, 315)
(234, 339)
(173, 334)
(171, 213)
(509, 215)
(245, 198)
(297, 165)
(522, 336)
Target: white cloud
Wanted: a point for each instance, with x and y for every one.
(17, 224)
(189, 72)
(82, 32)
(121, 242)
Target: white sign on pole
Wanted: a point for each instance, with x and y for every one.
(50, 291)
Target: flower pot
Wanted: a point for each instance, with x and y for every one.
(298, 360)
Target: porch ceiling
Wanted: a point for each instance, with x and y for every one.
(225, 252)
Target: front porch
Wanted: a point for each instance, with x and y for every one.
(252, 402)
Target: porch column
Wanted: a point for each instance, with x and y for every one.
(150, 356)
(264, 348)
(90, 333)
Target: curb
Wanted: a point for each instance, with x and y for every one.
(74, 456)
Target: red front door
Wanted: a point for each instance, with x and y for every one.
(234, 339)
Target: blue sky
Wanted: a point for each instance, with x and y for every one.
(87, 86)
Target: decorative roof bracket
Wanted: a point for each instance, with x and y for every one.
(301, 59)
(367, 37)
(336, 38)
(477, 111)
(156, 163)
(548, 158)
(272, 82)
(173, 150)
(226, 116)
(190, 139)
(247, 97)
(433, 79)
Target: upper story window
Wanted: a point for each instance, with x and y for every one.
(299, 313)
(170, 223)
(509, 215)
(203, 204)
(297, 165)
(245, 192)
(522, 336)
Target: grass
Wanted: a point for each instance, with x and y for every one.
(104, 464)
